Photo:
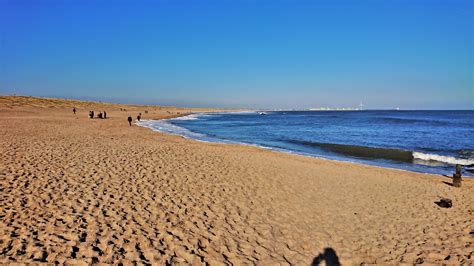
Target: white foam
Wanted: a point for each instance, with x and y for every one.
(166, 127)
(188, 117)
(442, 158)
(237, 112)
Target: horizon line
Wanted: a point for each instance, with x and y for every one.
(315, 109)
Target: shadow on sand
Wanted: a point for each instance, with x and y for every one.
(329, 256)
(447, 183)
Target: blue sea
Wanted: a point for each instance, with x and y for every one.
(420, 141)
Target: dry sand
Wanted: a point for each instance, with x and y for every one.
(77, 190)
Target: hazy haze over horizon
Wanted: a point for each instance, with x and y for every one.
(242, 54)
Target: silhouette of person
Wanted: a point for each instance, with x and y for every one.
(130, 120)
(100, 115)
(92, 114)
(74, 110)
(105, 115)
(329, 256)
(138, 118)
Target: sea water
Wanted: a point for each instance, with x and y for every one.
(421, 141)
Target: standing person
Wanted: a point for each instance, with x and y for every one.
(130, 120)
(138, 118)
(74, 110)
(105, 115)
(92, 114)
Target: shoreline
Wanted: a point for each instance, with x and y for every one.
(282, 150)
(80, 190)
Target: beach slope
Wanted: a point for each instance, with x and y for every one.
(75, 189)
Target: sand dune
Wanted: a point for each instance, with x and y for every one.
(98, 191)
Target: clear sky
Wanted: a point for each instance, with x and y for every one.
(268, 54)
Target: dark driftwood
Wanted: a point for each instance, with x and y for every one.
(445, 203)
(457, 176)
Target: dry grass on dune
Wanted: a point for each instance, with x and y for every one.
(11, 102)
(98, 191)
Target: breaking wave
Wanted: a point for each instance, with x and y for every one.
(442, 158)
(385, 153)
(361, 151)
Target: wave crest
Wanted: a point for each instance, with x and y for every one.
(442, 158)
(361, 151)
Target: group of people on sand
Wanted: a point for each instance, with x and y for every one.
(100, 115)
(139, 116)
(104, 116)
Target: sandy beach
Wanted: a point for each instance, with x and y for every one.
(79, 190)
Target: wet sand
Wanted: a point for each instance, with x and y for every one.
(75, 189)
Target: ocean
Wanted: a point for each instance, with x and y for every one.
(420, 141)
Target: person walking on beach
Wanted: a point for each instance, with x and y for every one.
(130, 120)
(105, 115)
(74, 110)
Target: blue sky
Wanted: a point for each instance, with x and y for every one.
(270, 54)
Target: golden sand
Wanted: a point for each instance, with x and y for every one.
(75, 189)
